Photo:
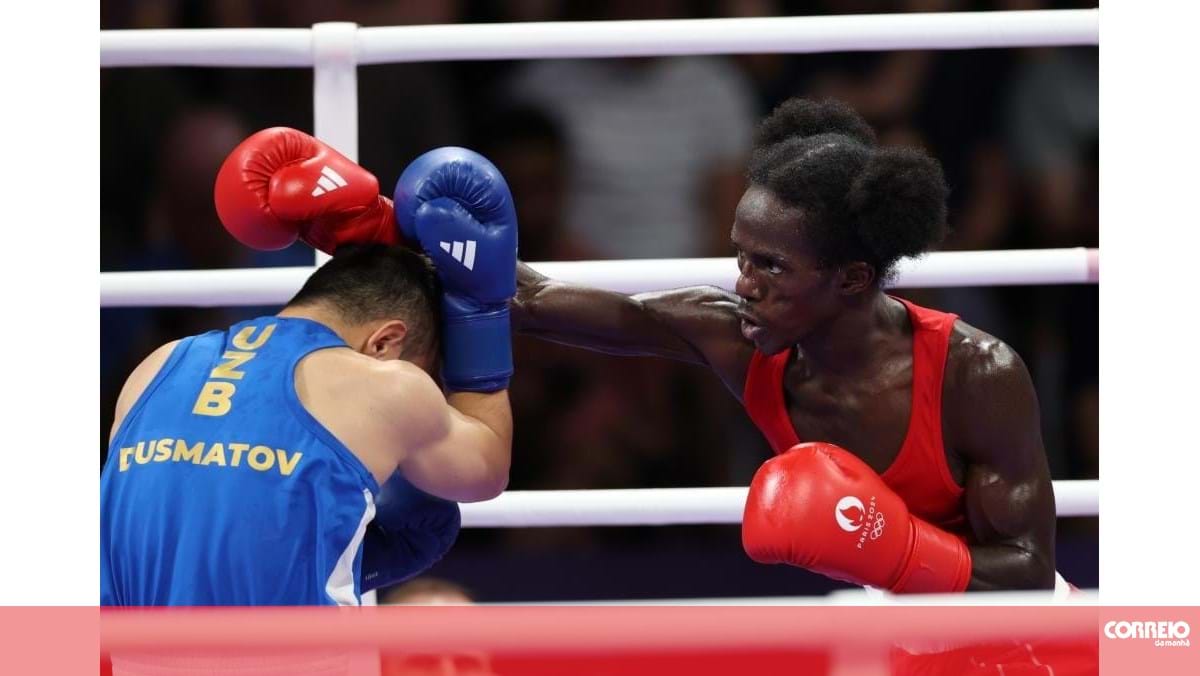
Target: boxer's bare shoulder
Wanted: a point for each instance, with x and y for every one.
(990, 410)
(137, 382)
(700, 313)
(367, 404)
(346, 375)
(978, 360)
(706, 317)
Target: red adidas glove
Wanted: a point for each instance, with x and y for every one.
(821, 508)
(281, 184)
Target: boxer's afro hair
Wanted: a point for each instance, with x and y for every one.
(862, 202)
(368, 282)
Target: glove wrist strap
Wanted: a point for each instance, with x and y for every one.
(477, 348)
(938, 563)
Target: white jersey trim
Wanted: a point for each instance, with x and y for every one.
(340, 585)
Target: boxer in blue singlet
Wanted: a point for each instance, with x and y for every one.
(306, 457)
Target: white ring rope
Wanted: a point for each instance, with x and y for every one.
(541, 40)
(672, 506)
(274, 286)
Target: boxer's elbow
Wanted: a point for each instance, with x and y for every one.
(1039, 571)
(487, 490)
(1011, 568)
(497, 479)
(493, 476)
(1034, 565)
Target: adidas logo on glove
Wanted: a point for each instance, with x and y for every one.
(330, 180)
(462, 254)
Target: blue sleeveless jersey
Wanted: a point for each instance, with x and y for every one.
(221, 489)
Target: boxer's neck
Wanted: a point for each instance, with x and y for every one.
(849, 342)
(327, 318)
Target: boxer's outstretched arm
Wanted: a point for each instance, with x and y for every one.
(695, 325)
(993, 416)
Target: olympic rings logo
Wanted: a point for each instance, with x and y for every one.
(877, 526)
(851, 515)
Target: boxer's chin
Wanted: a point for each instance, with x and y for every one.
(770, 344)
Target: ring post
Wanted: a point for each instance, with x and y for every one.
(335, 89)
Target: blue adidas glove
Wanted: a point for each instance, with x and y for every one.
(411, 531)
(457, 205)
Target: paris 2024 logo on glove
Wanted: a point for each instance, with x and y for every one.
(852, 515)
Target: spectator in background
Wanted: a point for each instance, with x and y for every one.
(959, 117)
(529, 147)
(572, 408)
(180, 231)
(431, 591)
(884, 87)
(655, 146)
(404, 109)
(137, 105)
(428, 591)
(1053, 139)
(1053, 130)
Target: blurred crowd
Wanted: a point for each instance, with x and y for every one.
(615, 159)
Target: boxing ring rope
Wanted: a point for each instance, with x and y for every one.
(594, 39)
(274, 286)
(335, 49)
(672, 506)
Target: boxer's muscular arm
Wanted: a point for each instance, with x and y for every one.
(695, 325)
(457, 447)
(995, 425)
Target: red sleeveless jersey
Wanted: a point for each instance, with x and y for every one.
(919, 473)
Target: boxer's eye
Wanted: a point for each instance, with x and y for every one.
(769, 265)
(758, 262)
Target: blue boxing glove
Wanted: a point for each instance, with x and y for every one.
(411, 531)
(457, 205)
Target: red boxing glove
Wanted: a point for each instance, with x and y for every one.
(819, 507)
(281, 184)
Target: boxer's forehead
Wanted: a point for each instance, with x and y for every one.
(763, 223)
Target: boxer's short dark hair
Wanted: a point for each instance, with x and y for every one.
(368, 282)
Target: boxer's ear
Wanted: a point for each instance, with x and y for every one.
(387, 340)
(855, 278)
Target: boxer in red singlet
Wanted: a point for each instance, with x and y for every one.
(924, 469)
(908, 445)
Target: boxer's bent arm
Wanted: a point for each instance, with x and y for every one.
(137, 382)
(1008, 494)
(458, 449)
(695, 325)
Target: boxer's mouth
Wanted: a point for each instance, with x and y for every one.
(747, 316)
(752, 328)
